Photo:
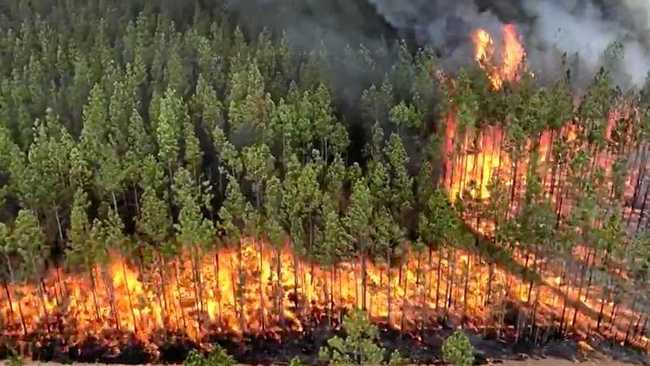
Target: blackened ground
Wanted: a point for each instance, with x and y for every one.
(420, 347)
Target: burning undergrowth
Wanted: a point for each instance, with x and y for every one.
(264, 317)
(522, 240)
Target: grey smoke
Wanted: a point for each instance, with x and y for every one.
(581, 28)
(588, 30)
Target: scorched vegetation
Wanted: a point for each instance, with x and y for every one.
(169, 185)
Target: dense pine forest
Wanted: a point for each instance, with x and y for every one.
(195, 173)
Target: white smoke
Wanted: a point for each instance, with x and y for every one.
(550, 28)
(583, 28)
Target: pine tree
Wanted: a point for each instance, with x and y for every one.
(193, 230)
(83, 249)
(359, 347)
(29, 241)
(169, 128)
(358, 220)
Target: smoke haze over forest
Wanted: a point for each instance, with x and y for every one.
(583, 29)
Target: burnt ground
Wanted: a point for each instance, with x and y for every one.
(423, 348)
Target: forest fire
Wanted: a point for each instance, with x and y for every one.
(200, 186)
(256, 288)
(479, 156)
(259, 289)
(510, 59)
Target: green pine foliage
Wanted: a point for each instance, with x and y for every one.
(143, 126)
(457, 350)
(217, 357)
(359, 346)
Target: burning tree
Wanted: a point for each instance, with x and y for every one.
(200, 181)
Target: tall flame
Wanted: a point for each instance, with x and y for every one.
(512, 55)
(261, 289)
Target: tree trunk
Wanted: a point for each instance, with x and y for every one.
(136, 200)
(452, 273)
(643, 206)
(404, 301)
(639, 183)
(163, 290)
(631, 323)
(296, 300)
(111, 298)
(128, 295)
(330, 306)
(429, 277)
(262, 305)
(513, 190)
(198, 286)
(217, 290)
(178, 296)
(489, 284)
(389, 295)
(580, 288)
(438, 275)
(565, 300)
(418, 287)
(9, 302)
(466, 286)
(93, 288)
(363, 281)
(58, 223)
(612, 317)
(241, 287)
(531, 283)
(279, 297)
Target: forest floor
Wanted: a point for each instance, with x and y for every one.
(531, 362)
(561, 352)
(561, 362)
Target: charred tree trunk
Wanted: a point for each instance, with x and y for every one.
(93, 289)
(261, 279)
(488, 292)
(389, 295)
(241, 283)
(198, 286)
(438, 275)
(128, 295)
(631, 323)
(217, 290)
(163, 289)
(178, 296)
(452, 273)
(565, 300)
(404, 300)
(580, 288)
(364, 282)
(279, 296)
(639, 182)
(643, 207)
(111, 299)
(466, 286)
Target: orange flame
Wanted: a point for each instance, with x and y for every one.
(512, 55)
(260, 289)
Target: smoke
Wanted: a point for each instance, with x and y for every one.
(583, 29)
(588, 29)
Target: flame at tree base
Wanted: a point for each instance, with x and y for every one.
(258, 289)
